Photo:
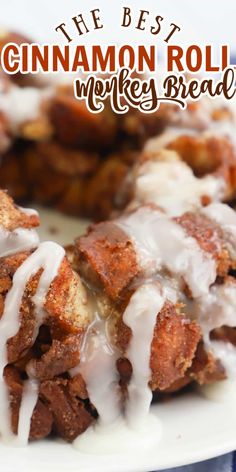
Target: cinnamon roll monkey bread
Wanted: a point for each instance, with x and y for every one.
(145, 301)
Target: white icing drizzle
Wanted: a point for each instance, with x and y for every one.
(98, 368)
(201, 117)
(48, 256)
(216, 309)
(161, 243)
(28, 211)
(20, 239)
(173, 186)
(221, 391)
(154, 145)
(28, 402)
(118, 437)
(192, 124)
(219, 307)
(226, 352)
(225, 127)
(22, 104)
(220, 301)
(183, 258)
(226, 218)
(140, 315)
(221, 213)
(98, 359)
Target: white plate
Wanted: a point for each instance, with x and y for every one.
(194, 428)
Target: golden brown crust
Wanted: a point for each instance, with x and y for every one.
(5, 135)
(66, 305)
(225, 333)
(66, 302)
(209, 237)
(12, 176)
(62, 356)
(205, 368)
(55, 351)
(67, 311)
(173, 347)
(68, 162)
(107, 257)
(75, 125)
(69, 413)
(77, 387)
(204, 154)
(176, 386)
(58, 409)
(41, 421)
(12, 217)
(102, 188)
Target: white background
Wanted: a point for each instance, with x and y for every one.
(202, 21)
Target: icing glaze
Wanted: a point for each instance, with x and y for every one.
(48, 256)
(173, 186)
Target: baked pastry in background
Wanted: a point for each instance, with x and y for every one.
(47, 136)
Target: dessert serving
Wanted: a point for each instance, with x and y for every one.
(145, 301)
